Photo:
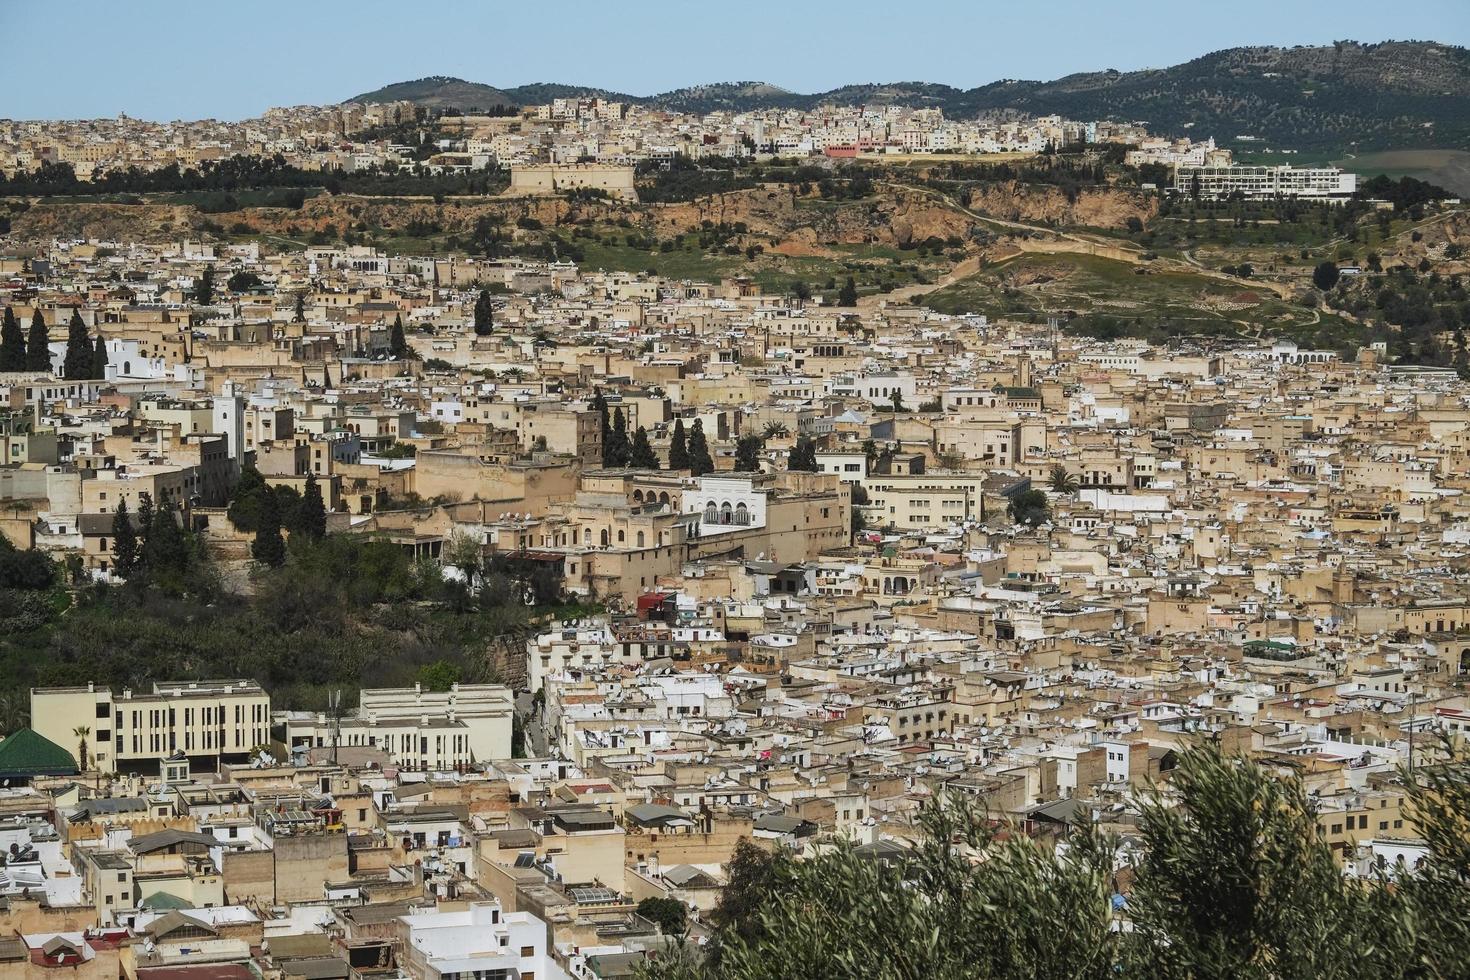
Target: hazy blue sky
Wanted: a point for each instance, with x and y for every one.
(184, 60)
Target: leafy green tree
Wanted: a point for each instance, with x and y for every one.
(1436, 894)
(1326, 275)
(124, 541)
(803, 456)
(1030, 508)
(77, 364)
(439, 676)
(748, 454)
(27, 570)
(897, 399)
(1235, 881)
(1232, 879)
(1061, 481)
(166, 551)
(311, 514)
(397, 342)
(38, 350)
(288, 507)
(750, 885)
(242, 281)
(268, 548)
(847, 296)
(99, 359)
(484, 314)
(12, 343)
(678, 447)
(642, 456)
(204, 287)
(669, 914)
(248, 500)
(700, 460)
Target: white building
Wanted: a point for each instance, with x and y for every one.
(419, 729)
(1319, 183)
(477, 943)
(726, 503)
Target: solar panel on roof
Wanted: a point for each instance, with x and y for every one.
(591, 896)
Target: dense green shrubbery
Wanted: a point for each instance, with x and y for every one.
(247, 173)
(343, 612)
(1232, 881)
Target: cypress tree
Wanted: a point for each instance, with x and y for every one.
(484, 314)
(99, 360)
(124, 542)
(145, 525)
(269, 548)
(700, 460)
(847, 295)
(311, 516)
(166, 549)
(679, 447)
(300, 315)
(397, 342)
(77, 365)
(12, 343)
(643, 457)
(38, 351)
(617, 452)
(599, 405)
(204, 288)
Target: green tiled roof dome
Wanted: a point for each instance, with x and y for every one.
(25, 754)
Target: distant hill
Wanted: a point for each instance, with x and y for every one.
(1374, 96)
(439, 92)
(540, 93)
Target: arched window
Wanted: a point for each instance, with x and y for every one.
(711, 513)
(663, 498)
(640, 539)
(127, 367)
(604, 537)
(727, 513)
(638, 496)
(621, 537)
(742, 514)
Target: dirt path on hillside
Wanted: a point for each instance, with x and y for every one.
(1077, 243)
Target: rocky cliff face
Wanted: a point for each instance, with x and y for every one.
(894, 217)
(794, 223)
(1044, 204)
(117, 222)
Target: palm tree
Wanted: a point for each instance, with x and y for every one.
(776, 430)
(1063, 482)
(81, 732)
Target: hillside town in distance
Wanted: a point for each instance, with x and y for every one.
(609, 138)
(374, 611)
